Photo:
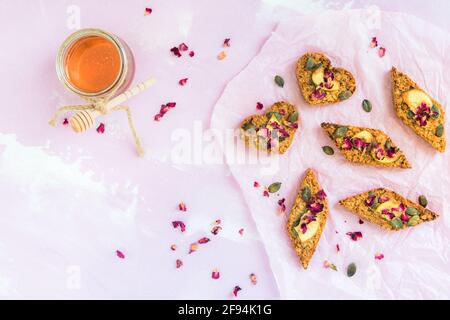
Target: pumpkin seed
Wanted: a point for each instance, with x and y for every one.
(411, 114)
(367, 105)
(344, 95)
(248, 126)
(388, 144)
(279, 81)
(294, 225)
(351, 270)
(310, 63)
(414, 220)
(274, 187)
(340, 132)
(372, 194)
(439, 130)
(436, 112)
(306, 194)
(328, 150)
(396, 223)
(375, 205)
(293, 117)
(273, 113)
(423, 201)
(410, 211)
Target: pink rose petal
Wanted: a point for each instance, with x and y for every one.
(101, 128)
(183, 47)
(379, 256)
(236, 290)
(120, 254)
(259, 106)
(179, 263)
(355, 236)
(215, 274)
(182, 82)
(203, 240)
(180, 224)
(226, 43)
(191, 54)
(374, 42)
(381, 52)
(65, 122)
(148, 11)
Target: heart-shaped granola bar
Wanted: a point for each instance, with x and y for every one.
(273, 131)
(320, 82)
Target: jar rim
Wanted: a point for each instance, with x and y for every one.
(67, 45)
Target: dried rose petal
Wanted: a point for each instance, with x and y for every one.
(404, 217)
(355, 236)
(318, 94)
(176, 51)
(218, 221)
(179, 263)
(183, 81)
(347, 144)
(236, 290)
(374, 42)
(182, 206)
(381, 52)
(183, 47)
(266, 193)
(216, 229)
(383, 199)
(215, 274)
(241, 232)
(120, 254)
(191, 54)
(65, 122)
(303, 227)
(315, 207)
(338, 248)
(203, 240)
(256, 184)
(222, 55)
(193, 247)
(360, 144)
(226, 43)
(282, 205)
(379, 256)
(173, 247)
(360, 221)
(171, 104)
(101, 128)
(391, 152)
(321, 195)
(253, 278)
(293, 125)
(148, 11)
(180, 224)
(327, 264)
(259, 106)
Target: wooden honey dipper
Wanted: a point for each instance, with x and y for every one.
(85, 119)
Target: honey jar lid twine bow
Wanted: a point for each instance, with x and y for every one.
(84, 119)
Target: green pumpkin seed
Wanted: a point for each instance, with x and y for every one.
(344, 95)
(306, 194)
(310, 63)
(274, 187)
(414, 220)
(396, 223)
(248, 126)
(328, 150)
(410, 211)
(436, 112)
(371, 194)
(375, 205)
(367, 105)
(423, 201)
(411, 114)
(293, 117)
(279, 81)
(351, 270)
(340, 132)
(294, 225)
(273, 113)
(439, 131)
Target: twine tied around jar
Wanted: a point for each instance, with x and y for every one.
(85, 117)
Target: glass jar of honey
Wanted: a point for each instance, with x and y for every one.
(95, 64)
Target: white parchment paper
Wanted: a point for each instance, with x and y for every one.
(417, 260)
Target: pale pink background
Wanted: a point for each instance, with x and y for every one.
(69, 201)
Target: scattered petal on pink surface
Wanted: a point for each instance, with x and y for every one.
(379, 256)
(381, 52)
(183, 81)
(101, 128)
(120, 254)
(374, 42)
(253, 278)
(180, 224)
(226, 43)
(259, 106)
(360, 221)
(355, 236)
(179, 263)
(191, 54)
(182, 206)
(256, 184)
(65, 122)
(241, 231)
(204, 240)
(173, 247)
(338, 248)
(176, 52)
(215, 274)
(148, 11)
(236, 290)
(216, 229)
(183, 47)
